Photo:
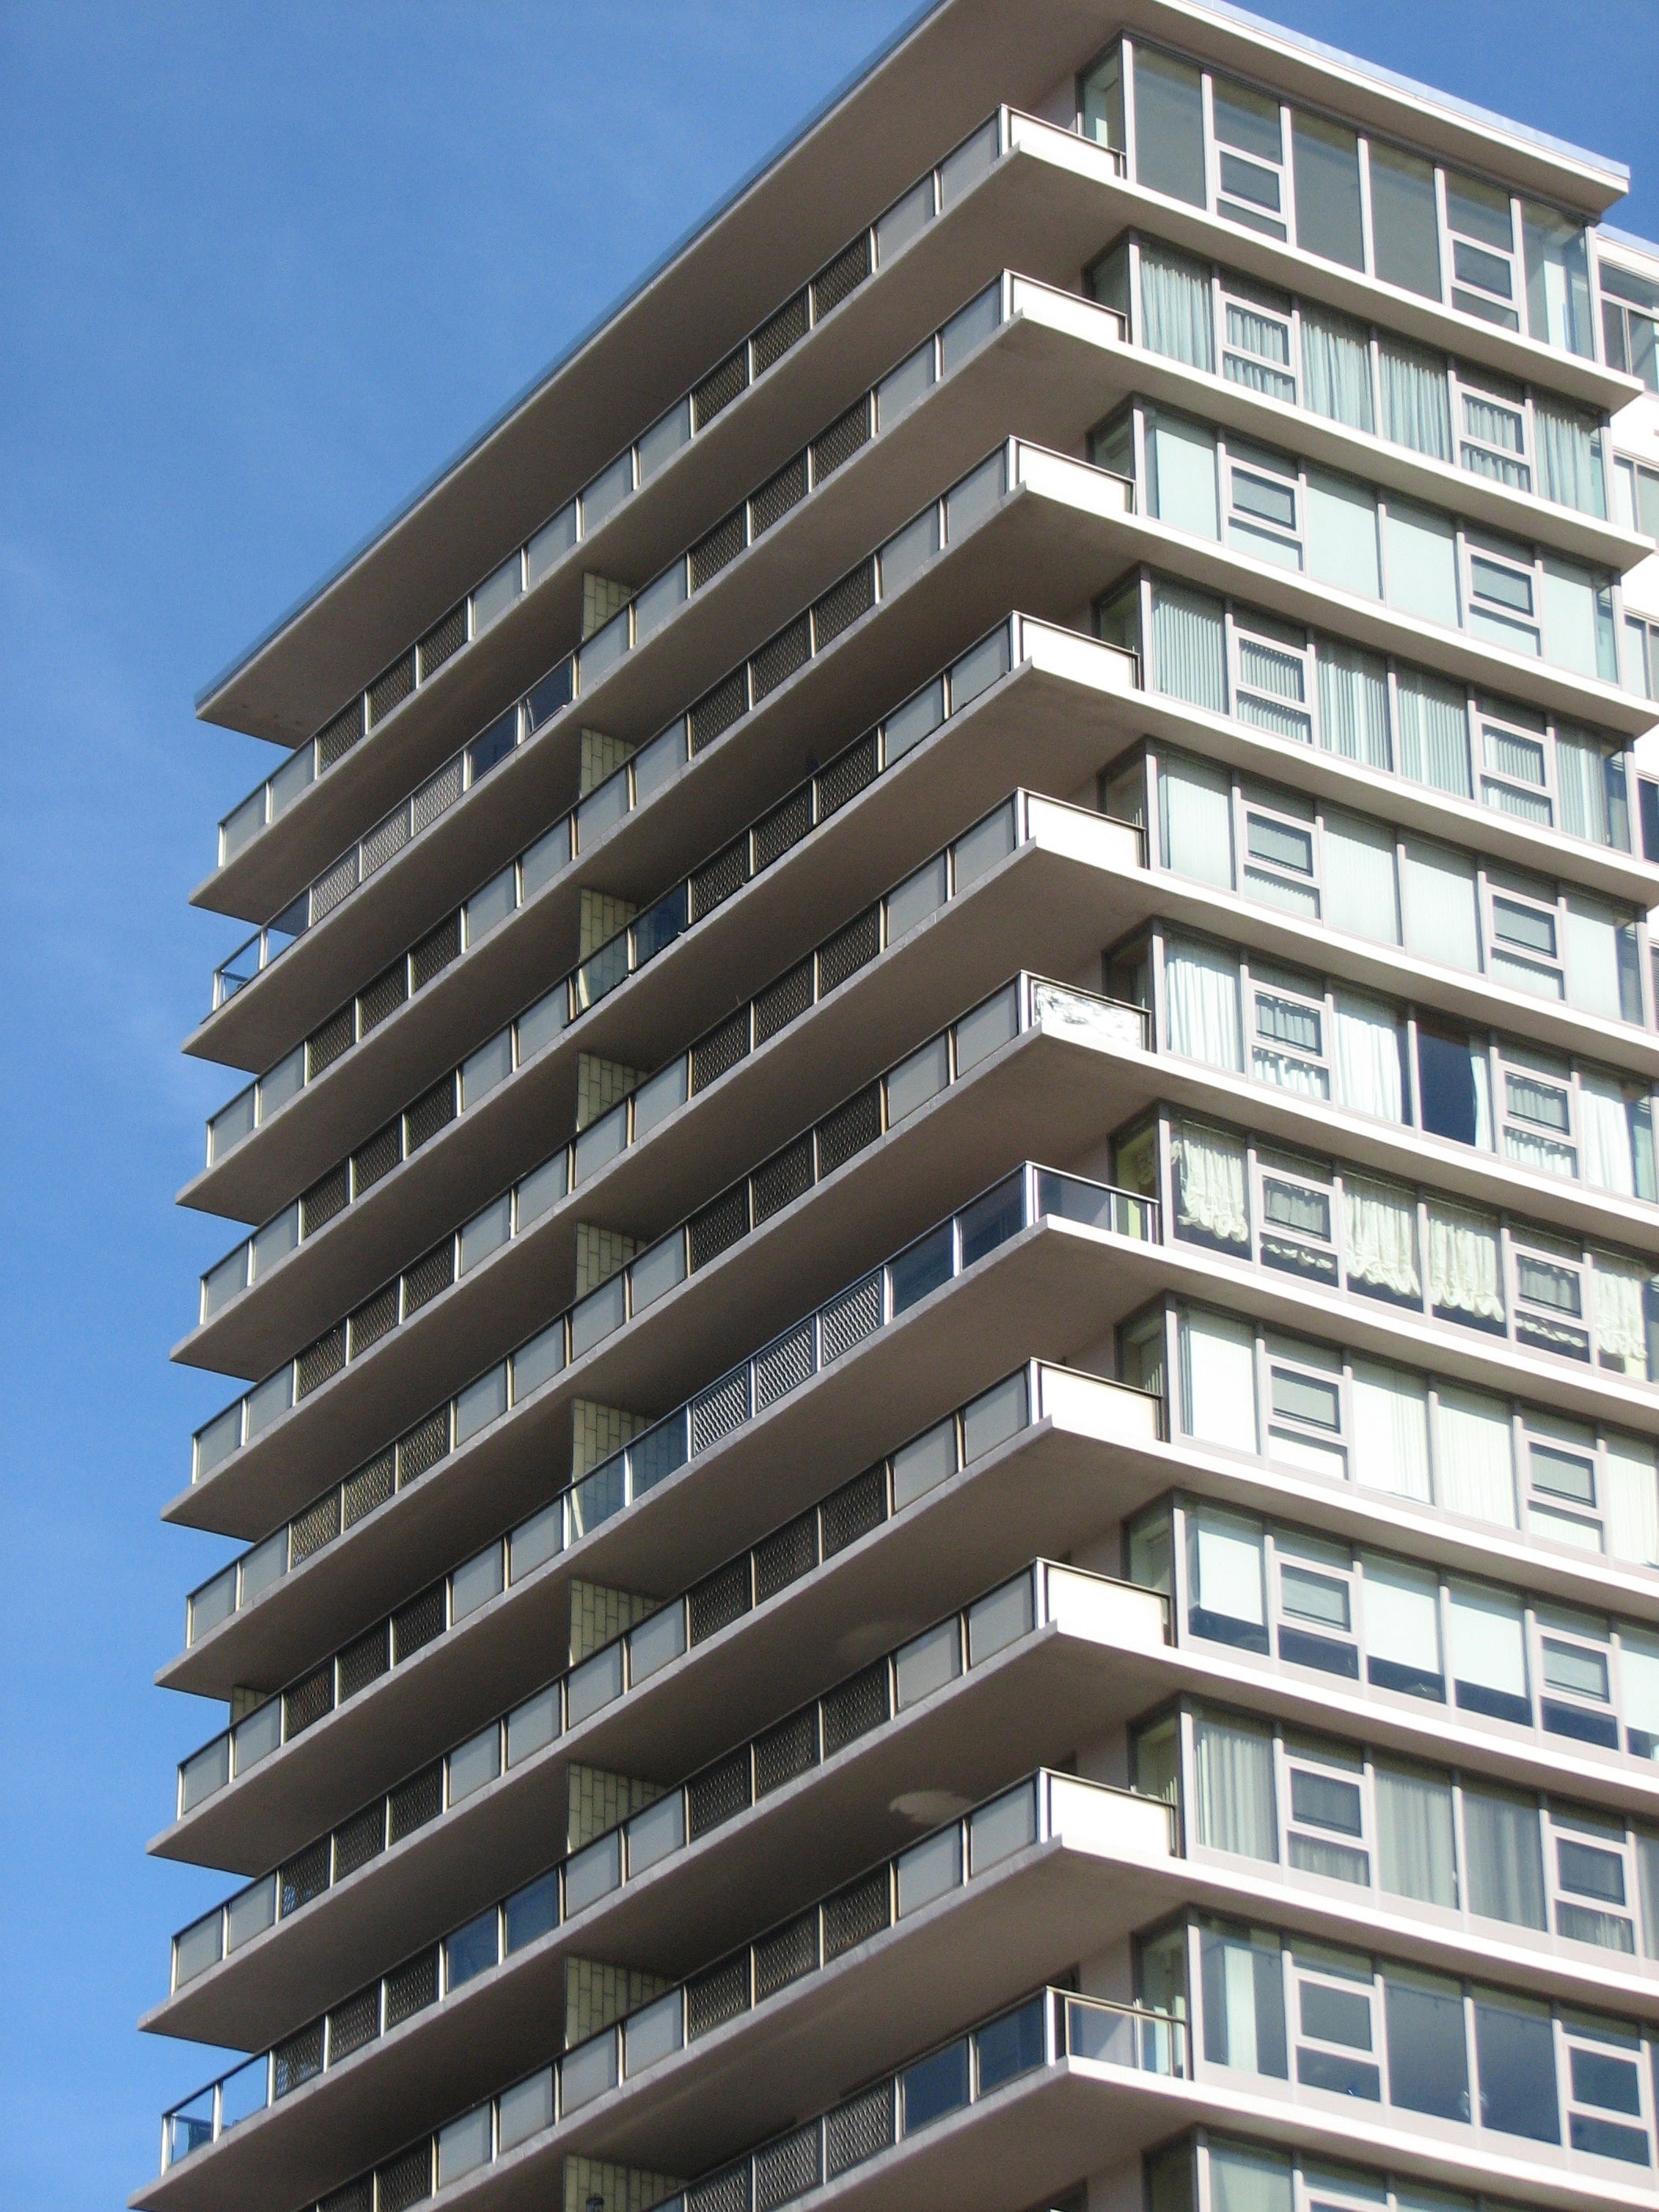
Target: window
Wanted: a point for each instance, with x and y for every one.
(1636, 488)
(1328, 207)
(1168, 126)
(1100, 101)
(1493, 429)
(1481, 221)
(1249, 137)
(1523, 921)
(1257, 339)
(1557, 280)
(1630, 323)
(1503, 594)
(1642, 657)
(1405, 222)
(1242, 1977)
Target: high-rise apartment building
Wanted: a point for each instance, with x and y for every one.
(948, 1327)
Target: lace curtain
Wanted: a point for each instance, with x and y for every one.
(1210, 1194)
(1463, 1272)
(1381, 1238)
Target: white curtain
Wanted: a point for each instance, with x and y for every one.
(1464, 1272)
(1390, 1431)
(1380, 1243)
(1639, 1657)
(1176, 307)
(1201, 986)
(1585, 773)
(1189, 647)
(1195, 809)
(1629, 1499)
(1488, 1647)
(1218, 1362)
(1365, 1056)
(1235, 1790)
(1440, 911)
(1594, 946)
(1474, 1456)
(1342, 534)
(1416, 410)
(1281, 675)
(1505, 1868)
(1210, 1193)
(1361, 896)
(1608, 1155)
(1434, 732)
(1402, 1614)
(1416, 1855)
(1621, 1330)
(1354, 703)
(1227, 1566)
(1568, 460)
(1336, 368)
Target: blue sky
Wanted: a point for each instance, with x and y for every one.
(264, 267)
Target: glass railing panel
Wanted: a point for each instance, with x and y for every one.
(637, 464)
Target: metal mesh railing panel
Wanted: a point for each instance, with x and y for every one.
(354, 2197)
(386, 838)
(784, 1178)
(443, 638)
(373, 1319)
(838, 444)
(404, 2180)
(777, 495)
(363, 1663)
(722, 1049)
(780, 656)
(775, 337)
(849, 949)
(720, 388)
(789, 1749)
(435, 952)
(318, 1361)
(840, 277)
(436, 797)
(718, 709)
(417, 1623)
(856, 1508)
(715, 882)
(414, 1802)
(382, 998)
(785, 1955)
(857, 1913)
(390, 689)
(719, 1226)
(784, 1365)
(435, 1271)
(297, 2058)
(783, 1002)
(718, 1794)
(420, 1449)
(304, 1876)
(850, 1318)
(719, 1411)
(334, 885)
(325, 1198)
(412, 1987)
(785, 1556)
(718, 550)
(785, 825)
(852, 1127)
(329, 1040)
(858, 2129)
(722, 2192)
(432, 1110)
(352, 2024)
(720, 1601)
(845, 776)
(853, 1709)
(318, 1525)
(716, 1997)
(842, 606)
(375, 1159)
(361, 1839)
(785, 2170)
(310, 1699)
(366, 1487)
(336, 739)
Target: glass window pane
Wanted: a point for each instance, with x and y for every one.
(1404, 226)
(1168, 127)
(1342, 534)
(1328, 221)
(1428, 2061)
(1515, 2049)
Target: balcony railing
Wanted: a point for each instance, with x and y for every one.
(755, 849)
(644, 614)
(941, 879)
(1017, 1202)
(871, 250)
(1044, 2030)
(1028, 1002)
(1044, 1806)
(880, 573)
